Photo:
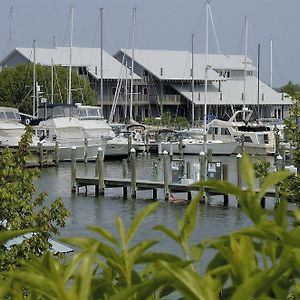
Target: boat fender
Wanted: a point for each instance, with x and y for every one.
(27, 122)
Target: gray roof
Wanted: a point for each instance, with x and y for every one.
(176, 65)
(232, 93)
(172, 64)
(81, 57)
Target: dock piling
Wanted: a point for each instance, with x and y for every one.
(85, 153)
(166, 173)
(133, 172)
(73, 169)
(100, 162)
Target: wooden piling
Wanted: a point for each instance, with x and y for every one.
(238, 172)
(166, 174)
(133, 172)
(73, 169)
(225, 172)
(188, 170)
(40, 147)
(85, 151)
(56, 153)
(100, 160)
(129, 145)
(125, 174)
(180, 145)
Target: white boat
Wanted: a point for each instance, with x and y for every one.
(11, 131)
(121, 145)
(61, 124)
(196, 145)
(97, 132)
(253, 137)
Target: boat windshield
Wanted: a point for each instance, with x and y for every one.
(9, 115)
(58, 111)
(89, 112)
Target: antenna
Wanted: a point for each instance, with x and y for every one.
(132, 63)
(101, 62)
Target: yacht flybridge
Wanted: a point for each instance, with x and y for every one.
(252, 137)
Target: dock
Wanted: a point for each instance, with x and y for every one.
(132, 184)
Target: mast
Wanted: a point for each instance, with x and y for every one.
(206, 75)
(10, 27)
(126, 92)
(70, 65)
(258, 77)
(34, 108)
(193, 84)
(101, 61)
(271, 63)
(245, 63)
(52, 81)
(132, 64)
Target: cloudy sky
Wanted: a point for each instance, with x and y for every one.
(162, 24)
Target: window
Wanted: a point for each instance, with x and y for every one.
(225, 131)
(96, 70)
(242, 96)
(221, 96)
(262, 97)
(247, 139)
(161, 71)
(213, 130)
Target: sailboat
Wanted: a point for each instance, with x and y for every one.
(73, 125)
(197, 140)
(118, 146)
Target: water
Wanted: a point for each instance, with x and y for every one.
(213, 218)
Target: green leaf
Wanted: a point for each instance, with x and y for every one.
(139, 219)
(167, 231)
(104, 233)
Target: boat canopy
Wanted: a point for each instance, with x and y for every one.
(57, 110)
(9, 114)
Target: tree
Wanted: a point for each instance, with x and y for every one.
(16, 86)
(19, 209)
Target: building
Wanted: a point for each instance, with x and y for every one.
(162, 82)
(86, 62)
(166, 77)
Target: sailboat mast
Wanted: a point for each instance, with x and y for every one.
(245, 61)
(271, 64)
(206, 75)
(132, 64)
(193, 84)
(101, 62)
(258, 78)
(70, 64)
(52, 81)
(34, 108)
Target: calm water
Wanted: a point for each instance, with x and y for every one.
(213, 218)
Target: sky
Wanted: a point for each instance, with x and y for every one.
(162, 24)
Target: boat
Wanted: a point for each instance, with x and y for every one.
(125, 139)
(11, 131)
(251, 137)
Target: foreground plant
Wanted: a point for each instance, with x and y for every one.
(258, 262)
(20, 209)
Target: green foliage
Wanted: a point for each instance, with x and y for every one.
(258, 262)
(21, 210)
(16, 86)
(262, 168)
(168, 121)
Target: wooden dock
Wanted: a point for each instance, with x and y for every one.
(101, 183)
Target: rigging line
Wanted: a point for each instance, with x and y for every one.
(22, 101)
(214, 29)
(94, 40)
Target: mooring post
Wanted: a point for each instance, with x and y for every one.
(159, 146)
(73, 169)
(180, 145)
(85, 151)
(171, 149)
(238, 169)
(166, 173)
(225, 178)
(188, 170)
(124, 173)
(40, 147)
(279, 166)
(147, 144)
(202, 175)
(129, 145)
(133, 172)
(100, 159)
(56, 153)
